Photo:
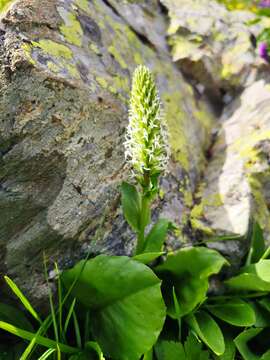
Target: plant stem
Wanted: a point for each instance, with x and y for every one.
(145, 212)
(144, 221)
(266, 254)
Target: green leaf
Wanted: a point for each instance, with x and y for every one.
(230, 348)
(261, 314)
(22, 298)
(247, 282)
(131, 205)
(241, 343)
(124, 295)
(235, 312)
(265, 303)
(14, 316)
(27, 335)
(155, 239)
(257, 246)
(255, 277)
(148, 355)
(169, 350)
(266, 356)
(207, 330)
(193, 349)
(188, 271)
(147, 258)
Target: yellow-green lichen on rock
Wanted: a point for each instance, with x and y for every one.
(71, 29)
(54, 48)
(219, 51)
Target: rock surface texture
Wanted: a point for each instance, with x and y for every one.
(66, 67)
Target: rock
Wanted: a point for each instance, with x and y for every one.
(213, 45)
(236, 182)
(66, 68)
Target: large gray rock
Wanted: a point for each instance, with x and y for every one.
(214, 45)
(66, 67)
(215, 48)
(236, 188)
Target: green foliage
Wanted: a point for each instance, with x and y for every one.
(126, 307)
(189, 281)
(234, 311)
(169, 350)
(131, 205)
(255, 277)
(207, 330)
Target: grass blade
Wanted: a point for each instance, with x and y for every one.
(60, 310)
(55, 325)
(22, 298)
(77, 330)
(58, 353)
(29, 349)
(27, 335)
(70, 312)
(46, 354)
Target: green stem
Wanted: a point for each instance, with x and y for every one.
(144, 221)
(266, 254)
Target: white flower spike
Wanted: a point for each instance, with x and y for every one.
(146, 138)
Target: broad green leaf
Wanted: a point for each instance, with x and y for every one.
(247, 282)
(188, 271)
(169, 350)
(147, 258)
(22, 298)
(261, 314)
(230, 349)
(148, 355)
(176, 304)
(155, 239)
(266, 356)
(207, 330)
(125, 301)
(131, 205)
(255, 277)
(193, 349)
(14, 316)
(241, 342)
(27, 335)
(235, 312)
